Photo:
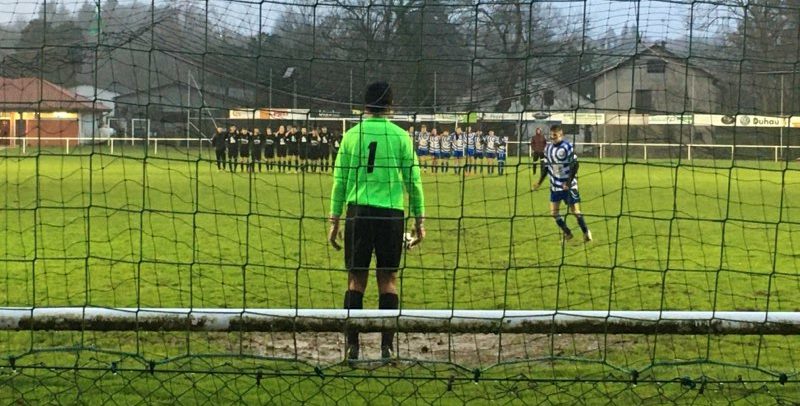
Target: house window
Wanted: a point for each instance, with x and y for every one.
(644, 101)
(548, 96)
(656, 66)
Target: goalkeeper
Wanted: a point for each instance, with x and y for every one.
(375, 167)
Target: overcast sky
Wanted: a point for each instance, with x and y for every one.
(656, 19)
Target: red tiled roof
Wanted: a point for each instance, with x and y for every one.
(40, 95)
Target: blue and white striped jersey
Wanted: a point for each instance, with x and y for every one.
(480, 142)
(471, 140)
(491, 143)
(558, 158)
(502, 143)
(458, 142)
(445, 141)
(422, 140)
(435, 143)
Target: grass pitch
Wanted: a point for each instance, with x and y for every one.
(170, 230)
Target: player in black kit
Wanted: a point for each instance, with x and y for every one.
(336, 142)
(314, 150)
(291, 148)
(282, 148)
(218, 141)
(302, 148)
(256, 149)
(269, 148)
(324, 148)
(244, 149)
(233, 147)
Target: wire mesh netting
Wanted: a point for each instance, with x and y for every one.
(684, 116)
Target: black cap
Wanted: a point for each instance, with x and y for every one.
(378, 97)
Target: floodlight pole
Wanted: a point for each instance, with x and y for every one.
(435, 79)
(351, 90)
(188, 104)
(270, 89)
(783, 75)
(781, 134)
(289, 74)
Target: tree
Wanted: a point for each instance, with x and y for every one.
(54, 48)
(512, 37)
(766, 38)
(417, 45)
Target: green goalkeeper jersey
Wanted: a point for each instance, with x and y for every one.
(376, 166)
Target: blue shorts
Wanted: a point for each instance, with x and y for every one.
(422, 151)
(490, 155)
(458, 154)
(569, 197)
(478, 155)
(470, 151)
(437, 155)
(501, 156)
(445, 155)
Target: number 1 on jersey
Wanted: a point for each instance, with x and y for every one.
(371, 160)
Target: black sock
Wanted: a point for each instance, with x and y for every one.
(582, 223)
(388, 301)
(353, 299)
(563, 225)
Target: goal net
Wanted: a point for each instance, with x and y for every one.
(153, 271)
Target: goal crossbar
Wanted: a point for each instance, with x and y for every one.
(405, 320)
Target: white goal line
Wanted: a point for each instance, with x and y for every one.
(421, 321)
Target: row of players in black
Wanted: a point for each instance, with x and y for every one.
(287, 149)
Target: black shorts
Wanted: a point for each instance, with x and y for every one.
(257, 154)
(537, 156)
(269, 152)
(303, 152)
(233, 153)
(281, 151)
(244, 154)
(369, 229)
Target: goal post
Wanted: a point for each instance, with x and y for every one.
(140, 128)
(651, 257)
(405, 321)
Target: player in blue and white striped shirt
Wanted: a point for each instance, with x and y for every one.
(491, 151)
(502, 147)
(423, 145)
(472, 136)
(435, 141)
(561, 164)
(446, 143)
(458, 149)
